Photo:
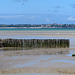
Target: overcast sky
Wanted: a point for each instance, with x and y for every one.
(37, 11)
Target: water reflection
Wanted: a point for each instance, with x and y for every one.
(39, 51)
(70, 53)
(65, 61)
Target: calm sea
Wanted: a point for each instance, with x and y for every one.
(36, 29)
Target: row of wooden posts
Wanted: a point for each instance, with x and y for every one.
(35, 43)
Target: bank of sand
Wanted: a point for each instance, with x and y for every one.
(23, 34)
(35, 61)
(38, 61)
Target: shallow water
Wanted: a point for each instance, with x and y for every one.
(70, 53)
(65, 61)
(43, 61)
(37, 29)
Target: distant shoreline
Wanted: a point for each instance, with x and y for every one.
(33, 28)
(20, 27)
(37, 25)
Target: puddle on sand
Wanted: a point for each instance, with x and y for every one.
(37, 61)
(65, 61)
(70, 53)
(27, 64)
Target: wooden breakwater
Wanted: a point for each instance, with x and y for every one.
(35, 43)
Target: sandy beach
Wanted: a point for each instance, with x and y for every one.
(53, 60)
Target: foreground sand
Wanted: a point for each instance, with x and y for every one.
(38, 61)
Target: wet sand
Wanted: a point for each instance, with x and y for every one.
(58, 61)
(19, 62)
(36, 74)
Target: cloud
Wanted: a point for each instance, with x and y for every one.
(73, 5)
(47, 20)
(31, 17)
(58, 7)
(10, 16)
(71, 18)
(21, 0)
(56, 11)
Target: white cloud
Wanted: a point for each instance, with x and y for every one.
(58, 6)
(31, 17)
(73, 5)
(48, 20)
(11, 16)
(71, 18)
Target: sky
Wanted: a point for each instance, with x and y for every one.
(37, 11)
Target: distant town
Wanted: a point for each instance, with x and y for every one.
(37, 25)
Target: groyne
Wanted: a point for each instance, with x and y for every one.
(35, 43)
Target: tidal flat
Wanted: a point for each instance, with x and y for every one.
(37, 61)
